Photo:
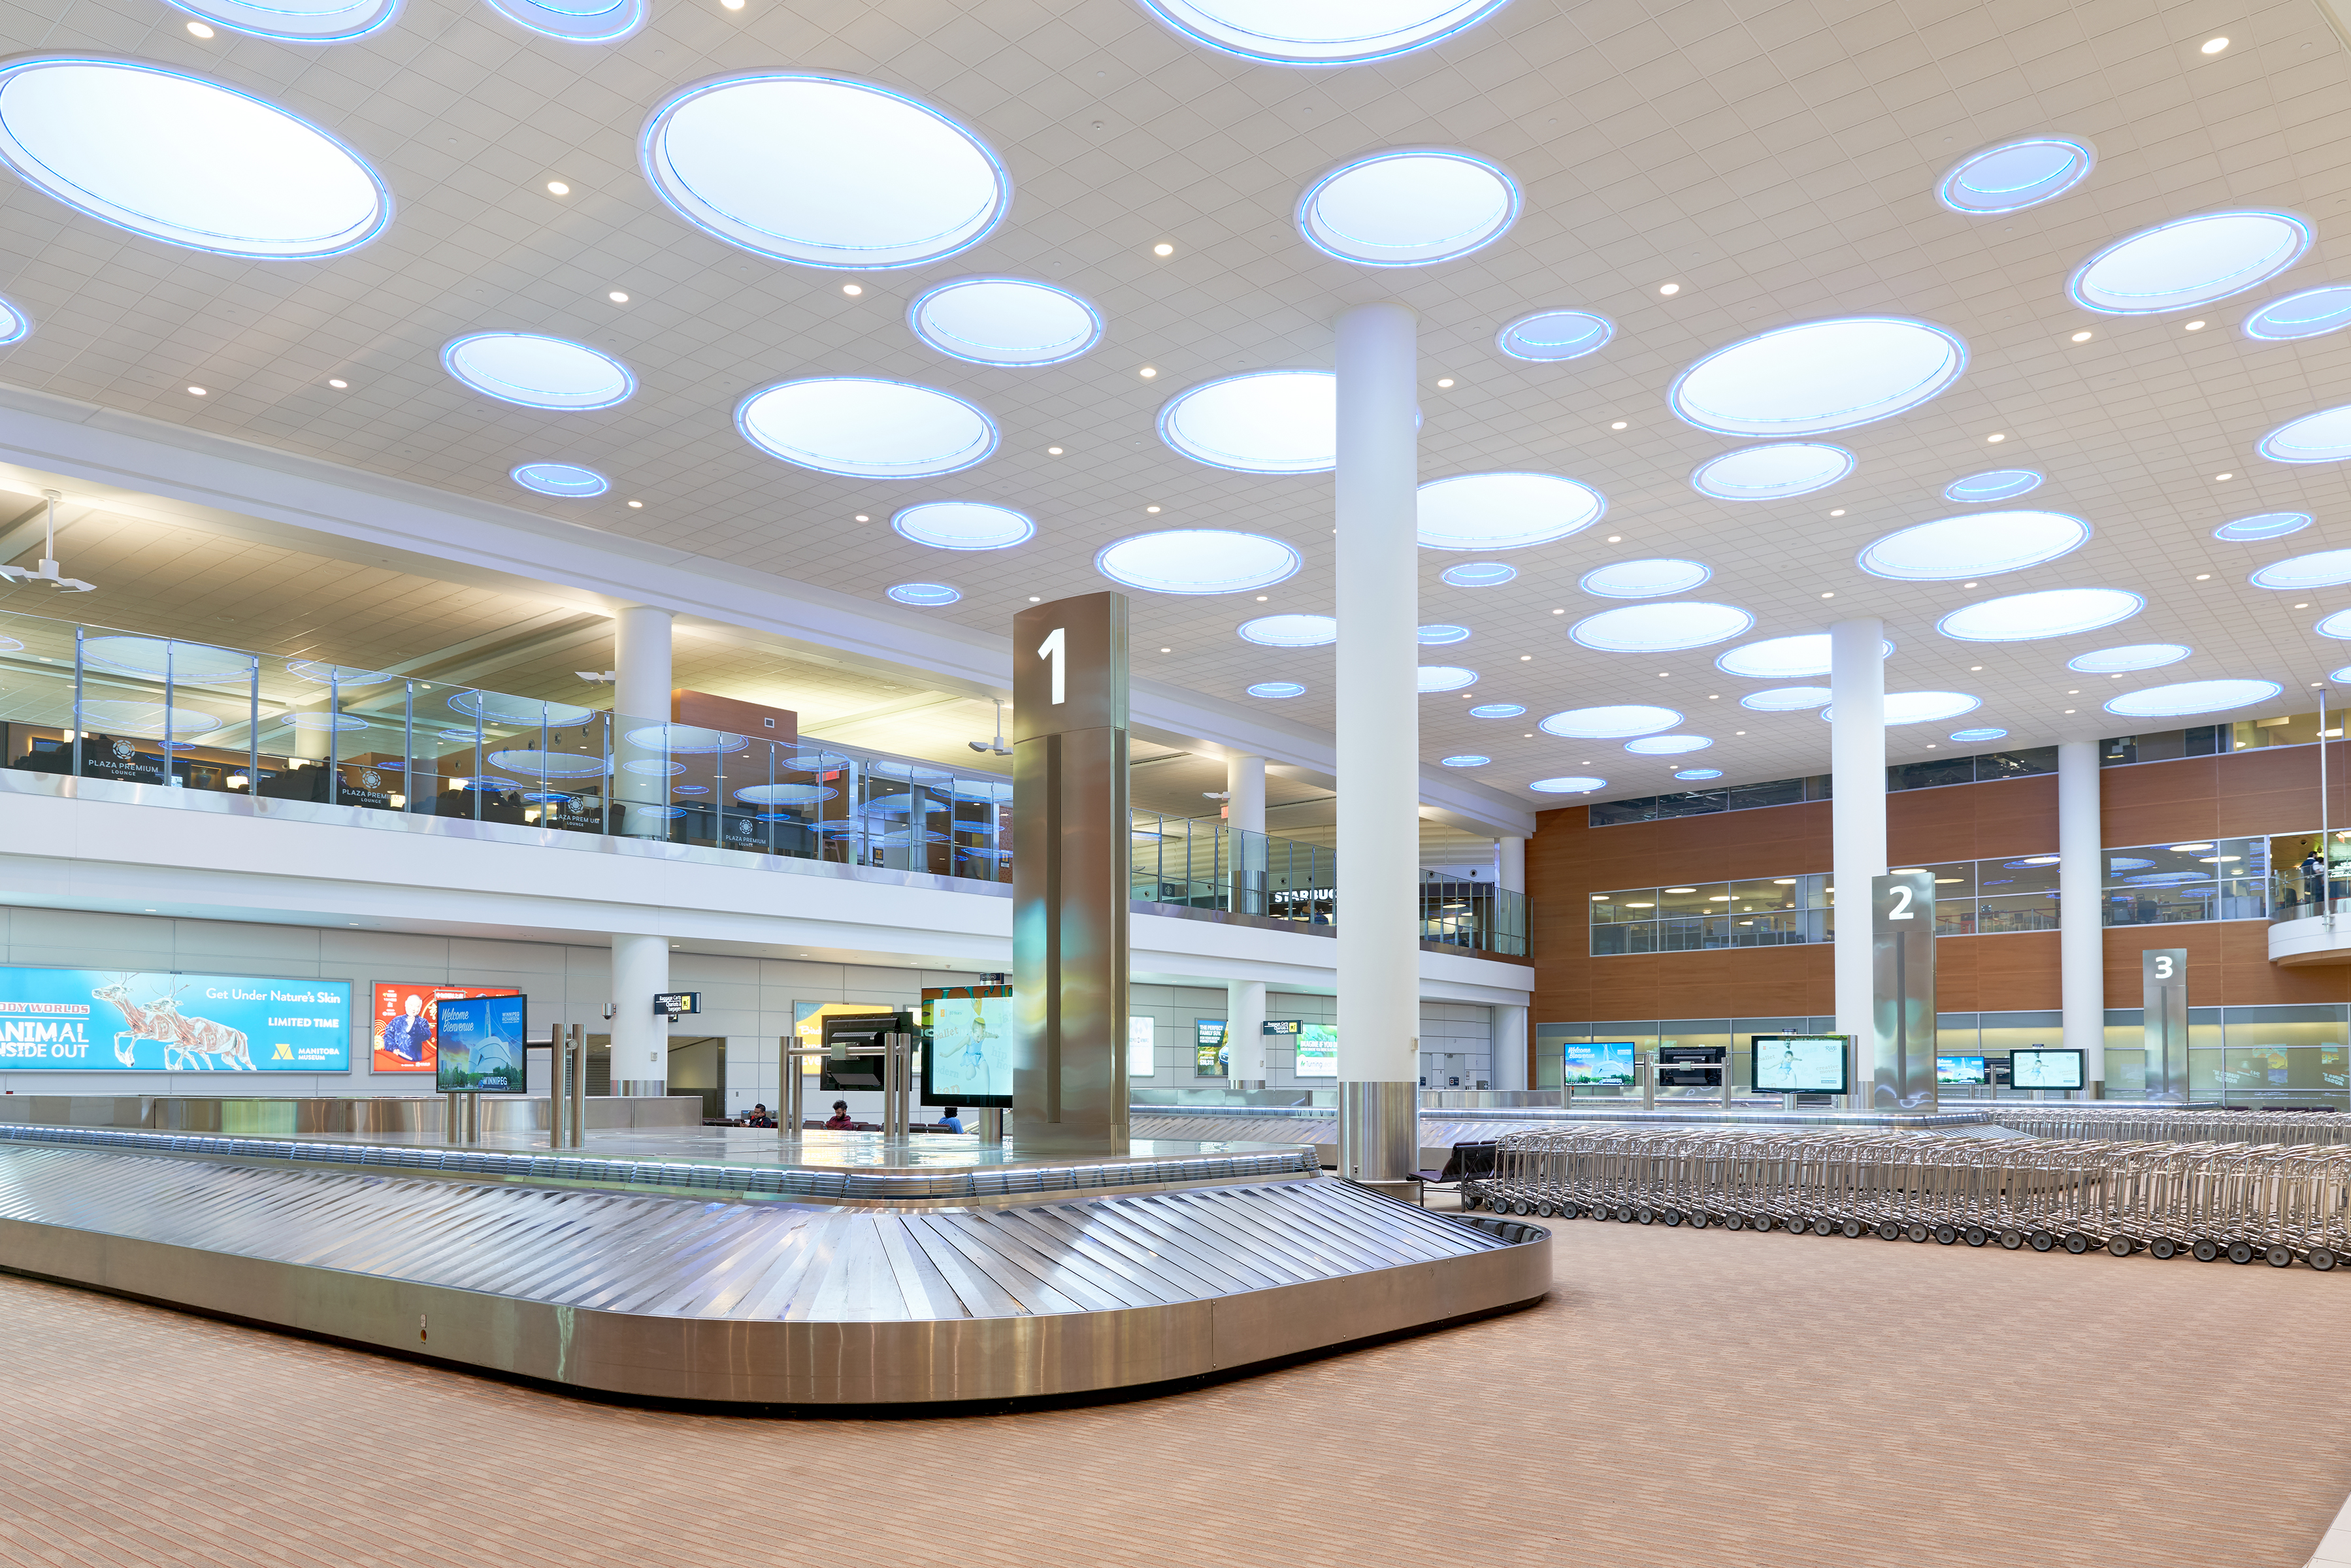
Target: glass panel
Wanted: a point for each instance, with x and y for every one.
(2016, 764)
(1693, 1031)
(1631, 904)
(2020, 873)
(2163, 904)
(2023, 911)
(1696, 803)
(1777, 792)
(1931, 775)
(2004, 1032)
(1609, 813)
(1766, 896)
(1690, 898)
(1687, 935)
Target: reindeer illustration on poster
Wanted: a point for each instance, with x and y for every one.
(189, 1043)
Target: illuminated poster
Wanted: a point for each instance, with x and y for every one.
(1961, 1069)
(114, 1020)
(400, 1033)
(479, 1045)
(1799, 1063)
(2040, 1069)
(1142, 1048)
(1209, 1055)
(1596, 1064)
(1318, 1051)
(970, 1049)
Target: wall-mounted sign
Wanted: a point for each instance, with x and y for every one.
(480, 1048)
(1142, 1047)
(1318, 1051)
(677, 1003)
(1209, 1056)
(401, 1025)
(115, 1020)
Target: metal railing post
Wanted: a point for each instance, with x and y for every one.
(577, 1123)
(253, 731)
(557, 1091)
(794, 1087)
(168, 775)
(79, 729)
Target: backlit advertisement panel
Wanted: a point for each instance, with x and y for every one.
(400, 1028)
(114, 1020)
(480, 1050)
(1318, 1051)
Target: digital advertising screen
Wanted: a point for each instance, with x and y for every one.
(1961, 1069)
(1209, 1056)
(967, 1046)
(1596, 1064)
(400, 1027)
(2044, 1069)
(479, 1045)
(1799, 1063)
(116, 1020)
(1142, 1048)
(1318, 1051)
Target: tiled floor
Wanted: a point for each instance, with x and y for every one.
(1682, 1400)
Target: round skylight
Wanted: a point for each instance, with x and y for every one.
(536, 372)
(1785, 699)
(1996, 484)
(1290, 631)
(1617, 723)
(2053, 612)
(183, 159)
(14, 325)
(2320, 568)
(1547, 337)
(865, 428)
(1444, 677)
(1197, 560)
(1408, 207)
(2190, 262)
(2312, 313)
(1567, 786)
(1968, 736)
(2321, 437)
(1277, 689)
(2335, 625)
(2263, 526)
(2190, 698)
(298, 21)
(1784, 658)
(1668, 744)
(576, 21)
(1819, 376)
(822, 171)
(1265, 422)
(1661, 628)
(1438, 635)
(1699, 773)
(1977, 544)
(1319, 32)
(2015, 174)
(1505, 511)
(2340, 676)
(1645, 579)
(2135, 656)
(929, 594)
(964, 525)
(1498, 710)
(1478, 574)
(565, 480)
(1920, 707)
(1771, 473)
(1466, 759)
(1005, 321)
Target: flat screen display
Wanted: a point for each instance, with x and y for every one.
(1142, 1048)
(116, 1020)
(399, 1026)
(1799, 1063)
(967, 1046)
(1961, 1069)
(1318, 1051)
(2043, 1069)
(1596, 1064)
(479, 1045)
(1209, 1056)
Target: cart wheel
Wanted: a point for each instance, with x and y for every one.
(1734, 1221)
(1522, 1209)
(1797, 1224)
(2279, 1256)
(1568, 1210)
(1623, 1213)
(2041, 1241)
(1543, 1211)
(1699, 1220)
(2321, 1258)
(1825, 1225)
(2163, 1246)
(1889, 1230)
(1671, 1216)
(2240, 1251)
(1917, 1231)
(2076, 1243)
(1646, 1215)
(1853, 1227)
(2120, 1246)
(2011, 1239)
(1947, 1234)
(1975, 1236)
(2205, 1250)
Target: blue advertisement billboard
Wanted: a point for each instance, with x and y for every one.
(116, 1020)
(481, 1049)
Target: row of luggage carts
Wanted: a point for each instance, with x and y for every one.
(2204, 1200)
(2078, 1120)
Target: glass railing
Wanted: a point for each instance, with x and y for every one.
(1200, 863)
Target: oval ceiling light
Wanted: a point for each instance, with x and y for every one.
(1411, 206)
(1437, 635)
(1547, 337)
(2321, 437)
(2262, 526)
(2312, 313)
(2135, 656)
(1784, 658)
(1005, 321)
(16, 326)
(2190, 262)
(1786, 699)
(964, 525)
(538, 371)
(865, 428)
(1988, 732)
(298, 21)
(1921, 707)
(1645, 579)
(1661, 628)
(929, 594)
(1817, 376)
(2335, 625)
(1996, 484)
(1478, 574)
(1668, 744)
(1319, 32)
(1505, 511)
(2320, 568)
(575, 21)
(1771, 473)
(2190, 698)
(1277, 689)
(2053, 612)
(1261, 421)
(1197, 560)
(1290, 631)
(1567, 786)
(822, 171)
(1444, 677)
(1466, 759)
(567, 479)
(1498, 710)
(1619, 722)
(1699, 773)
(161, 657)
(1977, 544)
(2016, 175)
(186, 159)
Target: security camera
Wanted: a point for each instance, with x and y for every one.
(976, 745)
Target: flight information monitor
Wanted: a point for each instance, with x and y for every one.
(1798, 1063)
(1596, 1064)
(1961, 1069)
(2044, 1069)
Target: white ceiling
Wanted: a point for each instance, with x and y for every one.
(1777, 161)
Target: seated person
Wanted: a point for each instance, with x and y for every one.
(841, 1120)
(758, 1117)
(951, 1121)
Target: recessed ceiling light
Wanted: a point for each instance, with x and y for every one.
(1669, 289)
(1982, 542)
(864, 519)
(1288, 34)
(1498, 710)
(1260, 421)
(2263, 526)
(1549, 337)
(865, 427)
(1619, 722)
(1838, 513)
(1005, 321)
(2301, 607)
(1818, 376)
(1408, 207)
(1920, 707)
(1996, 435)
(1663, 627)
(538, 372)
(1166, 650)
(1567, 786)
(1444, 677)
(1964, 735)
(558, 188)
(1645, 579)
(2203, 577)
(1478, 574)
(963, 525)
(1785, 699)
(1972, 667)
(1559, 612)
(1148, 371)
(617, 297)
(568, 480)
(2193, 326)
(198, 391)
(2321, 569)
(1996, 484)
(1618, 425)
(1786, 658)
(853, 289)
(339, 385)
(2222, 477)
(2213, 46)
(1163, 249)
(927, 594)
(1052, 451)
(1151, 508)
(1504, 511)
(1277, 689)
(2321, 437)
(2189, 261)
(1036, 599)
(1197, 560)
(2312, 313)
(2053, 612)
(1771, 473)
(1526, 658)
(1668, 744)
(2135, 656)
(1466, 759)
(2015, 175)
(201, 31)
(2081, 337)
(636, 506)
(1445, 382)
(1831, 594)
(2192, 698)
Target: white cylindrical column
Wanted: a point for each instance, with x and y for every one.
(1507, 1045)
(1245, 1032)
(640, 688)
(1510, 865)
(1245, 816)
(2081, 909)
(1378, 743)
(1857, 813)
(640, 1039)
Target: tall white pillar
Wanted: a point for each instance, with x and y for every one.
(1857, 811)
(2081, 909)
(1378, 748)
(1245, 814)
(1506, 1046)
(1510, 865)
(640, 688)
(640, 1039)
(1245, 1032)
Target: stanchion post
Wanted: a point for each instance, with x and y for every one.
(578, 1121)
(793, 1087)
(558, 1089)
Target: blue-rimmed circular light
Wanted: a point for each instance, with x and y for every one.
(1970, 737)
(1995, 485)
(1615, 722)
(576, 21)
(1786, 658)
(2133, 656)
(822, 171)
(2053, 612)
(2262, 526)
(866, 428)
(1786, 699)
(1478, 574)
(159, 656)
(501, 707)
(184, 159)
(1261, 422)
(2312, 313)
(2341, 677)
(2321, 437)
(1975, 544)
(1920, 707)
(1698, 773)
(538, 371)
(1570, 786)
(565, 480)
(1197, 560)
(1409, 207)
(1818, 376)
(322, 672)
(2190, 698)
(1290, 631)
(1661, 628)
(1277, 689)
(1771, 473)
(2336, 625)
(1645, 579)
(963, 525)
(1505, 511)
(1668, 744)
(14, 325)
(1437, 633)
(298, 21)
(2016, 175)
(687, 739)
(1005, 321)
(927, 594)
(1547, 337)
(2320, 568)
(1327, 33)
(1444, 677)
(1465, 759)
(2190, 262)
(1498, 710)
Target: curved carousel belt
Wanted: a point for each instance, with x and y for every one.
(764, 1301)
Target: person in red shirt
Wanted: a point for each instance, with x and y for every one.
(841, 1120)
